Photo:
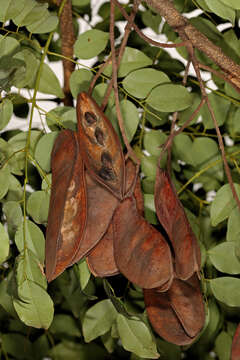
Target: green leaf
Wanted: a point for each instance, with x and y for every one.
(90, 44)
(84, 274)
(220, 109)
(169, 98)
(98, 320)
(226, 290)
(34, 240)
(223, 204)
(64, 324)
(140, 82)
(15, 191)
(109, 342)
(151, 19)
(222, 10)
(4, 180)
(38, 205)
(80, 81)
(13, 213)
(44, 149)
(4, 244)
(8, 45)
(182, 148)
(62, 116)
(99, 93)
(6, 110)
(34, 306)
(132, 59)
(136, 337)
(17, 345)
(30, 69)
(149, 165)
(130, 118)
(149, 209)
(72, 351)
(233, 3)
(44, 25)
(6, 298)
(224, 259)
(223, 346)
(29, 268)
(49, 83)
(233, 229)
(10, 9)
(153, 140)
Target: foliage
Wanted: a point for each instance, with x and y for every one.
(79, 316)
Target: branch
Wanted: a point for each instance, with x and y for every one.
(188, 32)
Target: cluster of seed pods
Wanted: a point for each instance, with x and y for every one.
(96, 211)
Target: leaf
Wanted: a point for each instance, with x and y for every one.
(38, 206)
(232, 3)
(13, 213)
(100, 147)
(233, 230)
(132, 59)
(49, 83)
(99, 92)
(130, 119)
(62, 116)
(140, 82)
(72, 351)
(143, 244)
(172, 216)
(98, 320)
(84, 274)
(223, 346)
(182, 148)
(180, 308)
(80, 81)
(220, 109)
(17, 345)
(4, 180)
(44, 25)
(4, 244)
(169, 98)
(6, 298)
(151, 19)
(64, 324)
(153, 140)
(6, 110)
(223, 257)
(226, 290)
(235, 350)
(33, 240)
(67, 211)
(43, 150)
(34, 306)
(223, 204)
(30, 69)
(221, 10)
(136, 337)
(90, 44)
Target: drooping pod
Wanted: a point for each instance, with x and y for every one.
(172, 216)
(100, 146)
(68, 204)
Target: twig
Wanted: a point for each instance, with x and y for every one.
(67, 40)
(121, 50)
(115, 86)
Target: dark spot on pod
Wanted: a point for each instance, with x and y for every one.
(106, 160)
(90, 117)
(106, 173)
(99, 136)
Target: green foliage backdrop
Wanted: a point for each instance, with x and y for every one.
(78, 316)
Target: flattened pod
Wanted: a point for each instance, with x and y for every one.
(141, 253)
(178, 314)
(172, 216)
(100, 146)
(67, 212)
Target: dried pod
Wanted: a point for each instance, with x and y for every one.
(67, 211)
(140, 251)
(172, 216)
(101, 260)
(178, 314)
(235, 352)
(100, 146)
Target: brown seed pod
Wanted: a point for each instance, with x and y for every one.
(178, 314)
(67, 211)
(235, 352)
(100, 146)
(172, 216)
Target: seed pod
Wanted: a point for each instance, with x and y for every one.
(100, 146)
(67, 211)
(141, 253)
(172, 216)
(235, 352)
